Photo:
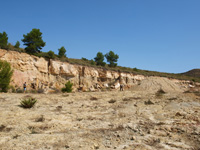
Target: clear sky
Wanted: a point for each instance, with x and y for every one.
(157, 35)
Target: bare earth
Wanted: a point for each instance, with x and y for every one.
(131, 120)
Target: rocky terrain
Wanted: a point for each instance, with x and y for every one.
(51, 75)
(152, 113)
(142, 118)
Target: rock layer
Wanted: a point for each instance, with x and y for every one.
(40, 73)
(54, 74)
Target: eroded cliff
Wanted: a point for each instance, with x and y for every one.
(40, 73)
(51, 75)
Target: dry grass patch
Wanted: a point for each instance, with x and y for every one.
(58, 108)
(127, 99)
(149, 102)
(112, 101)
(93, 98)
(40, 119)
(3, 128)
(172, 98)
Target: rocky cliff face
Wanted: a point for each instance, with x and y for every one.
(51, 74)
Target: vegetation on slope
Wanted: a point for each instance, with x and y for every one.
(193, 73)
(5, 75)
(136, 71)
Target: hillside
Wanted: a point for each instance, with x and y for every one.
(136, 71)
(52, 74)
(193, 73)
(179, 76)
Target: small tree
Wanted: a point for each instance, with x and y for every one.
(112, 58)
(33, 41)
(10, 47)
(68, 87)
(61, 52)
(5, 75)
(51, 54)
(85, 59)
(92, 62)
(17, 45)
(99, 59)
(3, 40)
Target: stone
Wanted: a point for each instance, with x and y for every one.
(42, 73)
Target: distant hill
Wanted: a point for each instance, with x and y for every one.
(193, 73)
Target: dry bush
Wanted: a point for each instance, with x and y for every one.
(196, 92)
(3, 128)
(59, 108)
(172, 98)
(40, 119)
(18, 90)
(127, 99)
(149, 102)
(93, 98)
(112, 101)
(160, 93)
(121, 114)
(40, 90)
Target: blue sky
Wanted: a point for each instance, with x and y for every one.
(157, 35)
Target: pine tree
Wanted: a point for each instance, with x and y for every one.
(99, 59)
(61, 52)
(112, 58)
(3, 40)
(33, 41)
(17, 45)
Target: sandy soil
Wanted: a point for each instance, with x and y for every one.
(129, 120)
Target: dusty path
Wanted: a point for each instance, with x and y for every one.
(101, 120)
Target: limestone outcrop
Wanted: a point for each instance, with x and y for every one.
(41, 73)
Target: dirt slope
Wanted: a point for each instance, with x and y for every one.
(153, 84)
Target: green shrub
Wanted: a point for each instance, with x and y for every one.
(68, 87)
(51, 54)
(135, 69)
(85, 59)
(41, 54)
(92, 62)
(10, 47)
(12, 88)
(17, 45)
(5, 75)
(28, 103)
